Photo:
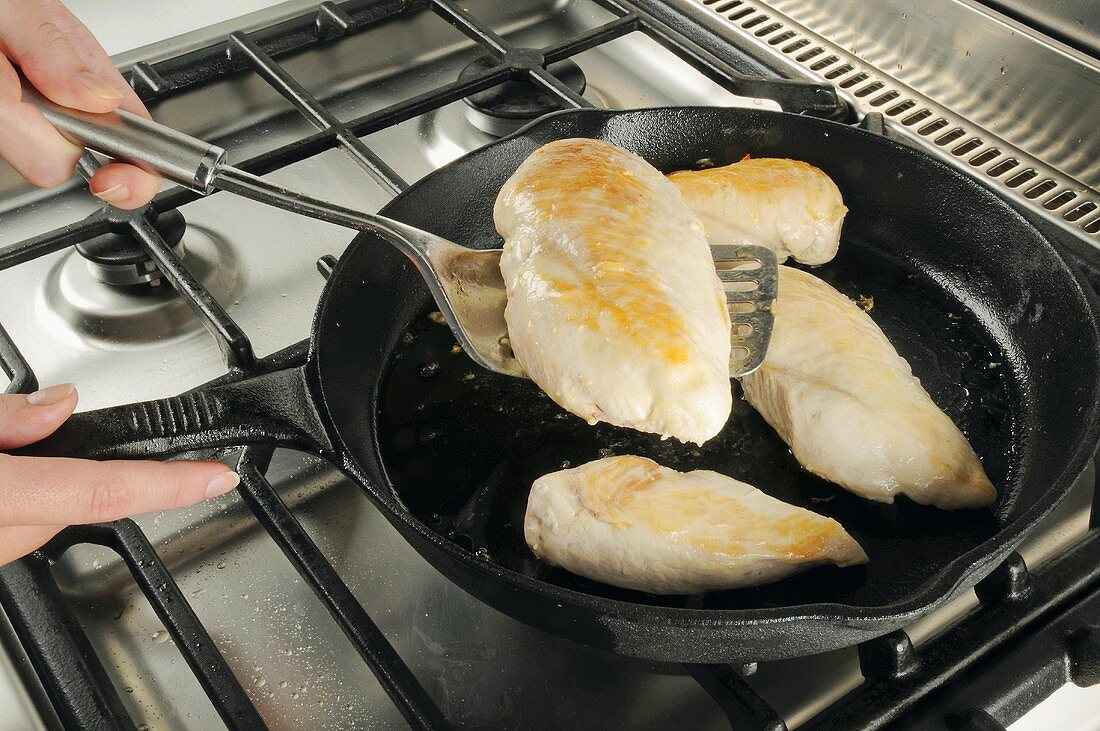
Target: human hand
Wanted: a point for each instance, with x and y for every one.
(41, 495)
(63, 60)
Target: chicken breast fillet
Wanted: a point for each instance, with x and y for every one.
(850, 407)
(629, 522)
(614, 307)
(789, 206)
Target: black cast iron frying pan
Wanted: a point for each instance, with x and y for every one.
(992, 321)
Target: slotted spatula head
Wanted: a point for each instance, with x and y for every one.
(470, 295)
(750, 276)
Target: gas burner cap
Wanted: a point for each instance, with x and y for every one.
(506, 107)
(116, 258)
(115, 316)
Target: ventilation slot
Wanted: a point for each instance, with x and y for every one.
(1040, 189)
(809, 54)
(915, 117)
(1020, 178)
(1080, 211)
(948, 138)
(1092, 226)
(827, 61)
(786, 37)
(932, 127)
(1059, 200)
(724, 6)
(800, 43)
(1003, 167)
(889, 96)
(870, 89)
(898, 109)
(742, 13)
(770, 28)
(843, 69)
(967, 147)
(753, 22)
(985, 156)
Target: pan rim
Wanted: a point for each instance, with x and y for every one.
(960, 573)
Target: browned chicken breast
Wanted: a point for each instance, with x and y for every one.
(789, 206)
(614, 307)
(629, 522)
(851, 409)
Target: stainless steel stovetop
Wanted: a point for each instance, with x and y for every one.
(485, 670)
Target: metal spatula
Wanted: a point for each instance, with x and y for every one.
(466, 283)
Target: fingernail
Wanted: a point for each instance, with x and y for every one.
(114, 194)
(51, 395)
(98, 86)
(222, 484)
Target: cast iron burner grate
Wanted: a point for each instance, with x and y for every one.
(900, 681)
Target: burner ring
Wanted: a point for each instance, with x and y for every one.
(116, 258)
(506, 107)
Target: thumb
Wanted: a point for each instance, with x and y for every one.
(26, 419)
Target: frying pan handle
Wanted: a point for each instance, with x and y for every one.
(274, 408)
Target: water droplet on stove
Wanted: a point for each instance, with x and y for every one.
(282, 683)
(221, 564)
(129, 689)
(565, 464)
(199, 592)
(161, 636)
(261, 682)
(605, 452)
(428, 370)
(118, 614)
(483, 553)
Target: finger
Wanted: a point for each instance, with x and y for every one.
(26, 419)
(124, 186)
(97, 59)
(33, 40)
(28, 142)
(17, 541)
(56, 490)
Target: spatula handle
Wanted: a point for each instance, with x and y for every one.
(129, 138)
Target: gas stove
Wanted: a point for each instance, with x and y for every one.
(292, 603)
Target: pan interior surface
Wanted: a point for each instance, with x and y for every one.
(974, 298)
(463, 445)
